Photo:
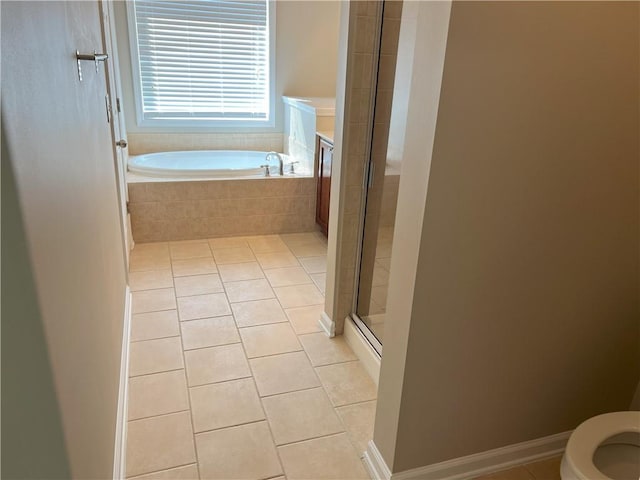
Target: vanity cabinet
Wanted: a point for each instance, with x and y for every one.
(324, 157)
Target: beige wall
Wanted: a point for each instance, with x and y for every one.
(524, 319)
(306, 59)
(32, 439)
(61, 155)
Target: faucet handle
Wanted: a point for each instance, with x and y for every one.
(292, 166)
(267, 173)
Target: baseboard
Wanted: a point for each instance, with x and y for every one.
(120, 451)
(375, 464)
(472, 465)
(328, 326)
(362, 348)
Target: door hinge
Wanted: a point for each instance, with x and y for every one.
(118, 105)
(128, 208)
(107, 104)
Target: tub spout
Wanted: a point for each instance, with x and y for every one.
(281, 163)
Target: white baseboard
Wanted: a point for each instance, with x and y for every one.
(472, 465)
(120, 451)
(375, 464)
(328, 326)
(362, 348)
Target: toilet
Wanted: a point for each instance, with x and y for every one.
(606, 447)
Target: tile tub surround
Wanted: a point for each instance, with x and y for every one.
(164, 210)
(228, 386)
(140, 143)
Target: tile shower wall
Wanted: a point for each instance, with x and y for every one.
(365, 22)
(165, 211)
(140, 143)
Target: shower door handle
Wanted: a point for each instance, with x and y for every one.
(121, 143)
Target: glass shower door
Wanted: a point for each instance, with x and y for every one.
(381, 192)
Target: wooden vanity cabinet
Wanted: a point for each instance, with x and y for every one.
(324, 157)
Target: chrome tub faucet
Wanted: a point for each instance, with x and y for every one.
(281, 162)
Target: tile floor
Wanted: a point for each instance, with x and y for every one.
(230, 375)
(543, 470)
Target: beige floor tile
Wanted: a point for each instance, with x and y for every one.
(150, 279)
(299, 296)
(242, 452)
(198, 285)
(150, 325)
(153, 356)
(322, 458)
(188, 472)
(193, 266)
(302, 415)
(269, 340)
(158, 443)
(246, 290)
(283, 373)
(320, 279)
(301, 238)
(150, 249)
(233, 255)
(277, 260)
(258, 312)
(209, 332)
(548, 469)
(234, 272)
(305, 319)
(347, 383)
(359, 419)
(323, 350)
(267, 244)
(189, 249)
(225, 404)
(141, 263)
(154, 300)
(314, 249)
(517, 473)
(314, 264)
(228, 242)
(282, 277)
(203, 306)
(216, 364)
(157, 394)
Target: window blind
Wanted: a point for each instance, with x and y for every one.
(204, 59)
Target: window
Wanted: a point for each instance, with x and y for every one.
(203, 63)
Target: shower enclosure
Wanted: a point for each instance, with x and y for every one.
(381, 191)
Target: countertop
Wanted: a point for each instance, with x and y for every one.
(328, 136)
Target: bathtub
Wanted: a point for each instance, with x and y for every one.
(203, 163)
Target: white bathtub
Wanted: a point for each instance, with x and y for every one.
(204, 163)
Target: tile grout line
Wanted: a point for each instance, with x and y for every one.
(166, 414)
(184, 361)
(264, 412)
(163, 470)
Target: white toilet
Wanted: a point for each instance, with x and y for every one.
(606, 447)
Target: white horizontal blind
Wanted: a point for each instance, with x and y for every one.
(205, 59)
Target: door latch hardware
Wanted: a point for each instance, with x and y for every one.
(93, 57)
